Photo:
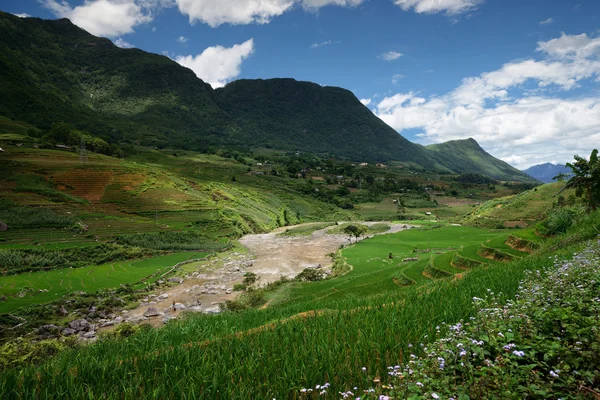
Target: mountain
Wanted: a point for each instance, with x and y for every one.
(52, 71)
(472, 158)
(545, 172)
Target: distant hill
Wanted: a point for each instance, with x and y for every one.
(545, 172)
(468, 156)
(52, 71)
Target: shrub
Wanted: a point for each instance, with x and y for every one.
(310, 275)
(558, 221)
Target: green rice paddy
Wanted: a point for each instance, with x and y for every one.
(47, 286)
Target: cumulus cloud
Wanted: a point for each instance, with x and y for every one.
(218, 65)
(390, 55)
(23, 15)
(547, 21)
(571, 46)
(108, 18)
(366, 102)
(123, 44)
(241, 12)
(182, 39)
(450, 7)
(525, 128)
(235, 12)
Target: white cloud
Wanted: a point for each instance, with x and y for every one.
(182, 39)
(23, 15)
(390, 55)
(241, 12)
(321, 44)
(217, 65)
(525, 128)
(450, 7)
(547, 21)
(316, 4)
(235, 12)
(571, 46)
(109, 18)
(366, 102)
(123, 44)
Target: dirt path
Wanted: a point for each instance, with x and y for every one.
(269, 255)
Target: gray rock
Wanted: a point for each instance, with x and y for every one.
(196, 309)
(68, 332)
(151, 312)
(176, 279)
(48, 329)
(63, 311)
(89, 335)
(108, 323)
(162, 297)
(213, 310)
(179, 306)
(79, 324)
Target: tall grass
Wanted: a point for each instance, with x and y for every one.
(32, 217)
(183, 241)
(222, 357)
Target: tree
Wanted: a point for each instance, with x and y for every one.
(355, 230)
(401, 205)
(586, 179)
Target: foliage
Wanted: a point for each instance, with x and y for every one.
(355, 231)
(21, 260)
(172, 240)
(310, 275)
(543, 344)
(476, 178)
(586, 179)
(558, 221)
(250, 278)
(23, 352)
(32, 217)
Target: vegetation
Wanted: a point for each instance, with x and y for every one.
(117, 97)
(586, 179)
(172, 240)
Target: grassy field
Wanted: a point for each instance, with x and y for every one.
(374, 272)
(44, 287)
(325, 332)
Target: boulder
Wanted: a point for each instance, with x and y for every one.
(162, 297)
(108, 323)
(79, 324)
(179, 306)
(3, 226)
(68, 332)
(151, 312)
(89, 335)
(48, 330)
(176, 279)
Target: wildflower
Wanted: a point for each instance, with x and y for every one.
(435, 395)
(419, 384)
(553, 374)
(519, 353)
(462, 353)
(364, 368)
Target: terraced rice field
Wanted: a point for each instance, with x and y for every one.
(46, 286)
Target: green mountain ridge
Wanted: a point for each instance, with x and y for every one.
(52, 71)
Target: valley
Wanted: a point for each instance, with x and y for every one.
(163, 237)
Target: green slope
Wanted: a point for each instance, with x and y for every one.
(468, 156)
(52, 71)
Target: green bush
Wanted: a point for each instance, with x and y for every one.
(558, 221)
(310, 275)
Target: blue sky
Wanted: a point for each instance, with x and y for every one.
(521, 77)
